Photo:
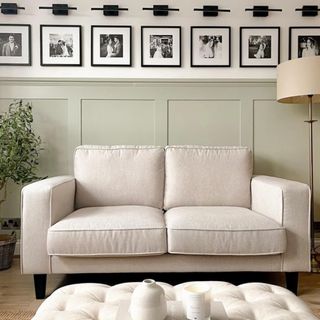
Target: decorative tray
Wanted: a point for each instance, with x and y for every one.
(175, 311)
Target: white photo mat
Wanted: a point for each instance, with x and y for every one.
(25, 57)
(172, 32)
(221, 58)
(296, 32)
(273, 32)
(125, 31)
(74, 31)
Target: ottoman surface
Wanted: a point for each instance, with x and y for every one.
(250, 301)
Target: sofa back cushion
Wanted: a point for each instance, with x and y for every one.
(119, 175)
(207, 176)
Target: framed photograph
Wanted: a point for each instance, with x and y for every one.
(15, 44)
(304, 42)
(259, 46)
(161, 46)
(210, 46)
(111, 46)
(60, 45)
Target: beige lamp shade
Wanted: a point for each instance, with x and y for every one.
(297, 79)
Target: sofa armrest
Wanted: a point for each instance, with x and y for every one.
(43, 203)
(288, 203)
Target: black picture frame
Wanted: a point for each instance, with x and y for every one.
(20, 54)
(299, 39)
(206, 35)
(70, 52)
(259, 47)
(169, 46)
(97, 49)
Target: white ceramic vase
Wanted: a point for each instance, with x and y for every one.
(148, 302)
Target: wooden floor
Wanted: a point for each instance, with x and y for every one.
(16, 290)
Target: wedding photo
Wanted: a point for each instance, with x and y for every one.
(111, 45)
(60, 45)
(210, 46)
(161, 46)
(259, 47)
(11, 44)
(308, 46)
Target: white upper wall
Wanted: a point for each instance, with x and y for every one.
(135, 17)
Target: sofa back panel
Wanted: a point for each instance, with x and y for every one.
(207, 176)
(119, 175)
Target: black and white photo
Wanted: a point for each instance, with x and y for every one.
(304, 42)
(160, 46)
(15, 44)
(259, 46)
(210, 46)
(60, 45)
(111, 45)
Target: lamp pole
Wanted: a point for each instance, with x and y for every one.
(311, 121)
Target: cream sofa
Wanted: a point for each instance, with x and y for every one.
(155, 209)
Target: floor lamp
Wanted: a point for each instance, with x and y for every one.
(298, 82)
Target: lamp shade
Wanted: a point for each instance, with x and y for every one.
(297, 79)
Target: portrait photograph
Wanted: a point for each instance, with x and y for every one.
(160, 46)
(210, 46)
(111, 45)
(304, 42)
(15, 48)
(60, 45)
(259, 46)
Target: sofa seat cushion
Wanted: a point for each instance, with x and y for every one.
(223, 231)
(109, 231)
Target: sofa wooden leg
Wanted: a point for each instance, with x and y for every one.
(292, 279)
(40, 282)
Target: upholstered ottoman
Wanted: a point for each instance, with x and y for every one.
(251, 301)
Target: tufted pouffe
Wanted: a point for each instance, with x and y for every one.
(250, 301)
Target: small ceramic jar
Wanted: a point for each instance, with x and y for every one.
(148, 302)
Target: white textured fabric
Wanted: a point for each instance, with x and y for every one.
(109, 231)
(223, 231)
(119, 175)
(288, 203)
(207, 176)
(43, 203)
(166, 263)
(250, 301)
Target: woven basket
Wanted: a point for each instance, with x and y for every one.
(7, 246)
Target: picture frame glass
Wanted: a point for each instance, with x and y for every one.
(15, 47)
(111, 46)
(210, 46)
(304, 42)
(260, 47)
(161, 46)
(60, 45)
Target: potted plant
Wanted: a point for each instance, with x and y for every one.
(19, 159)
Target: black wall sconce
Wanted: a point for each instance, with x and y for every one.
(160, 10)
(211, 11)
(59, 9)
(10, 8)
(261, 11)
(110, 10)
(309, 11)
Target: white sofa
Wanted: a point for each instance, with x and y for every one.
(155, 209)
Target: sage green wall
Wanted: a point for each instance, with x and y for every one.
(70, 113)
